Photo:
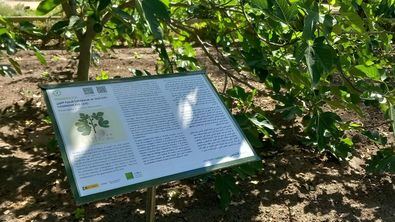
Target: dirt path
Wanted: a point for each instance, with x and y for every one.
(295, 185)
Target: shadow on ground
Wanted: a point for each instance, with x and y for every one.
(295, 185)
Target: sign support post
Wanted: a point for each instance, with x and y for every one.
(151, 204)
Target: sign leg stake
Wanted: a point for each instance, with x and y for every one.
(151, 204)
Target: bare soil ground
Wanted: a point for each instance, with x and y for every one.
(295, 185)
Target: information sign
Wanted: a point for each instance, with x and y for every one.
(120, 135)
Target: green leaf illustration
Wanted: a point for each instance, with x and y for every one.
(88, 123)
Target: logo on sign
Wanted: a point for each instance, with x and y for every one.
(57, 93)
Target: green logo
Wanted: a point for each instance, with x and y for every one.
(88, 123)
(129, 176)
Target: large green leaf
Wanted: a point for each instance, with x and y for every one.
(225, 185)
(370, 71)
(310, 22)
(326, 127)
(320, 58)
(383, 161)
(277, 9)
(356, 21)
(59, 27)
(375, 136)
(343, 149)
(46, 6)
(155, 11)
(284, 11)
(103, 4)
(261, 4)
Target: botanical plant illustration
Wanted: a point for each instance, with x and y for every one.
(86, 123)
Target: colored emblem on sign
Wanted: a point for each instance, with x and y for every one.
(129, 176)
(57, 93)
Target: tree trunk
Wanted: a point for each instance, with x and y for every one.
(84, 59)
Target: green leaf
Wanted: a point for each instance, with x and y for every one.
(10, 44)
(261, 4)
(46, 6)
(154, 11)
(383, 161)
(40, 56)
(370, 71)
(6, 70)
(356, 21)
(238, 93)
(122, 16)
(225, 185)
(261, 121)
(284, 11)
(75, 22)
(343, 149)
(375, 136)
(329, 22)
(299, 51)
(320, 58)
(326, 127)
(103, 4)
(250, 130)
(313, 65)
(83, 125)
(310, 22)
(16, 65)
(85, 129)
(249, 169)
(59, 27)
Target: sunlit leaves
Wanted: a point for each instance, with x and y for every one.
(369, 71)
(7, 70)
(46, 6)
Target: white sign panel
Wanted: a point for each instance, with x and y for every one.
(122, 133)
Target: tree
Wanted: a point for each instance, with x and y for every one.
(87, 19)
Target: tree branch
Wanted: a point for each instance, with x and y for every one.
(213, 60)
(108, 15)
(348, 81)
(261, 37)
(70, 9)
